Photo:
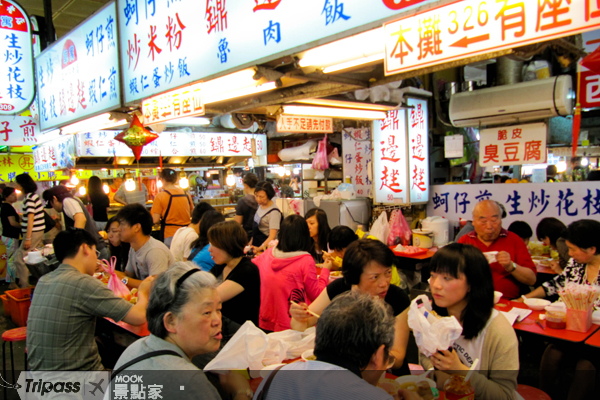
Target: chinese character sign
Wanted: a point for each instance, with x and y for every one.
(194, 144)
(529, 202)
(56, 154)
(298, 123)
(17, 83)
(358, 160)
(418, 150)
(589, 93)
(513, 145)
(471, 27)
(183, 102)
(78, 76)
(19, 131)
(169, 44)
(390, 176)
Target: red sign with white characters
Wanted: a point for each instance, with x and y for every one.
(589, 92)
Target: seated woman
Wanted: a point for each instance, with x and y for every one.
(266, 219)
(287, 273)
(583, 240)
(318, 227)
(184, 319)
(199, 254)
(462, 286)
(240, 287)
(550, 231)
(115, 246)
(340, 238)
(366, 268)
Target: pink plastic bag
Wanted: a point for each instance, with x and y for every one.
(320, 161)
(114, 283)
(400, 232)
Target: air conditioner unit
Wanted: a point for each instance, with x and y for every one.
(509, 104)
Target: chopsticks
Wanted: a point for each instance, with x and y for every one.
(307, 310)
(538, 322)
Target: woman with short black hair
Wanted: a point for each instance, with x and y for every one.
(287, 273)
(550, 231)
(462, 287)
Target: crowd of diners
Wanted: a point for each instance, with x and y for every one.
(197, 286)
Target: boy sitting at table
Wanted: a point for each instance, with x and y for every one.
(62, 317)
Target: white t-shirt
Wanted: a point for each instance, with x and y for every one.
(181, 245)
(71, 207)
(470, 350)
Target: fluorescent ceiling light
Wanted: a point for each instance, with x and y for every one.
(353, 63)
(346, 104)
(238, 84)
(97, 123)
(366, 44)
(189, 121)
(333, 112)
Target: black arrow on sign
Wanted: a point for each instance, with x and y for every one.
(465, 42)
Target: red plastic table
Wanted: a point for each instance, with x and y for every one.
(594, 340)
(141, 330)
(529, 324)
(544, 270)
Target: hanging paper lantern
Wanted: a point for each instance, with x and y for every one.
(136, 137)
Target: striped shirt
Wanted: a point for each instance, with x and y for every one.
(32, 204)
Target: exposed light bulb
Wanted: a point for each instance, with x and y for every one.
(159, 184)
(130, 185)
(82, 190)
(561, 166)
(105, 188)
(585, 162)
(74, 180)
(230, 180)
(184, 183)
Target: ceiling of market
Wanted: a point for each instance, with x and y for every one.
(66, 14)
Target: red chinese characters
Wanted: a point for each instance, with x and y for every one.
(216, 145)
(265, 5)
(389, 179)
(216, 16)
(418, 179)
(389, 149)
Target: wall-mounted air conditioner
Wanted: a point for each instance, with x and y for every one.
(509, 104)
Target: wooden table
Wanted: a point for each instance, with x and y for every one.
(529, 324)
(594, 340)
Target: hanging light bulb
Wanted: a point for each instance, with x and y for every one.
(585, 162)
(74, 180)
(230, 180)
(82, 191)
(561, 166)
(208, 174)
(184, 183)
(105, 188)
(129, 182)
(159, 184)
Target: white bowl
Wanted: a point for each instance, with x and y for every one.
(414, 378)
(497, 296)
(266, 371)
(537, 304)
(308, 353)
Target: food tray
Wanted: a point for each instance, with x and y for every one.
(402, 254)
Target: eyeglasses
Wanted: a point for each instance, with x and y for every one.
(391, 362)
(97, 254)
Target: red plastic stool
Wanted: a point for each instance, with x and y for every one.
(531, 393)
(10, 336)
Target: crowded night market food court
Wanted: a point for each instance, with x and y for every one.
(297, 200)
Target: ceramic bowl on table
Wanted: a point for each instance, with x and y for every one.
(537, 304)
(497, 296)
(309, 355)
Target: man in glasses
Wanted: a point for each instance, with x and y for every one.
(62, 317)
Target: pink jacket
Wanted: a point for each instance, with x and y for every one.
(285, 277)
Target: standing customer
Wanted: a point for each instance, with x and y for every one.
(247, 205)
(100, 202)
(288, 273)
(32, 225)
(11, 232)
(318, 227)
(75, 214)
(172, 207)
(181, 245)
(62, 318)
(267, 218)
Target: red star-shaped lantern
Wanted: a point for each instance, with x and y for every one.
(136, 137)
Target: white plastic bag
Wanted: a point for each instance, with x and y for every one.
(251, 348)
(381, 228)
(431, 333)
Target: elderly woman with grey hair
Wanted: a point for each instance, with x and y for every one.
(353, 341)
(184, 319)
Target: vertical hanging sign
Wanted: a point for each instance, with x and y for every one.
(418, 150)
(17, 83)
(389, 159)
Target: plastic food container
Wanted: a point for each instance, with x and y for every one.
(455, 388)
(556, 319)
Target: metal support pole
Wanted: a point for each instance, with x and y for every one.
(50, 34)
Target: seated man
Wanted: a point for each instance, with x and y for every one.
(354, 337)
(513, 265)
(75, 213)
(147, 256)
(62, 317)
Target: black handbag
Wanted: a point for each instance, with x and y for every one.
(49, 222)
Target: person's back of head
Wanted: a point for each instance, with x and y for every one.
(352, 328)
(168, 175)
(552, 228)
(67, 243)
(504, 178)
(250, 180)
(60, 192)
(341, 237)
(26, 183)
(94, 186)
(133, 214)
(551, 171)
(521, 229)
(294, 235)
(209, 219)
(200, 209)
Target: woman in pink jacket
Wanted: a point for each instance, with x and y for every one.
(288, 273)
